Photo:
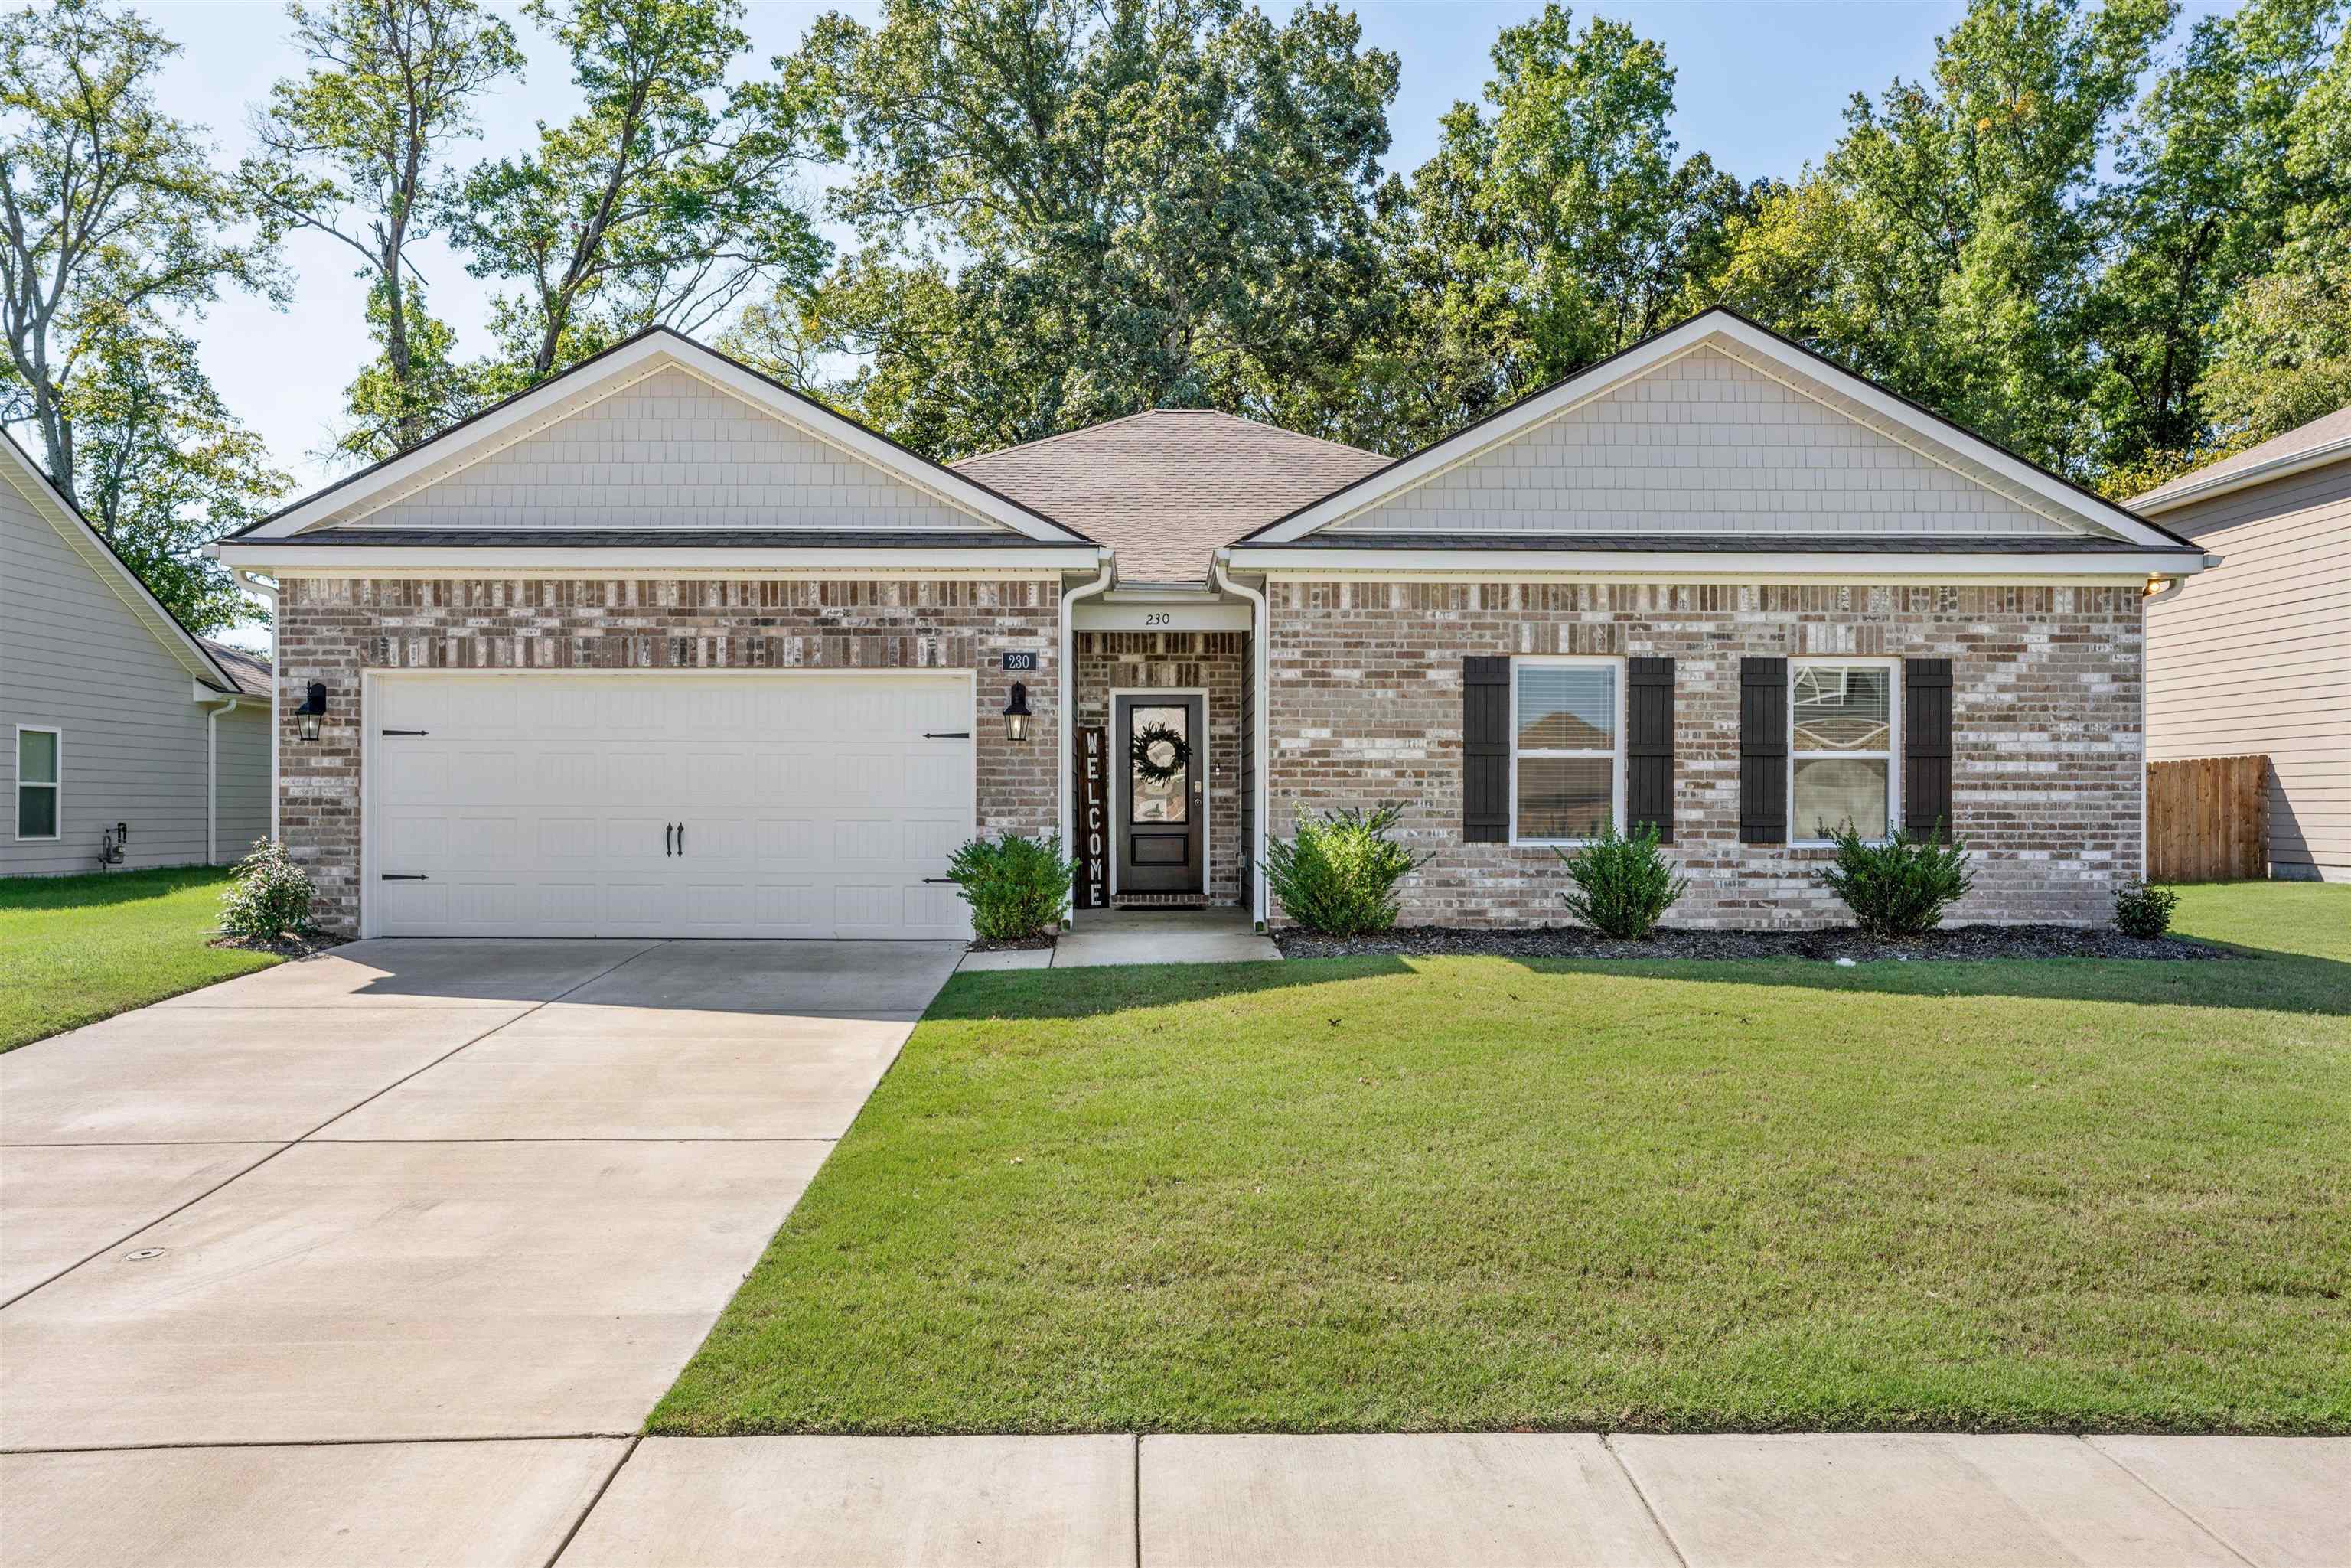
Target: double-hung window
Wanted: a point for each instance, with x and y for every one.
(36, 782)
(1567, 748)
(1841, 750)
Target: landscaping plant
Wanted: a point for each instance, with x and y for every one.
(1016, 887)
(270, 899)
(2142, 911)
(1337, 876)
(1900, 887)
(1624, 882)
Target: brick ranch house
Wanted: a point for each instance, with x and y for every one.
(661, 647)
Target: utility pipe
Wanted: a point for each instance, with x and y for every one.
(267, 594)
(1068, 675)
(212, 777)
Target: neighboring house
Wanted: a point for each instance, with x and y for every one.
(2255, 657)
(112, 714)
(662, 647)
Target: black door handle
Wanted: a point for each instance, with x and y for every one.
(667, 828)
(680, 838)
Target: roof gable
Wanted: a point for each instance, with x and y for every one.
(661, 434)
(1716, 428)
(42, 497)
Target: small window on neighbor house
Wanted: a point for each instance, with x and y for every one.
(37, 783)
(1841, 749)
(1566, 747)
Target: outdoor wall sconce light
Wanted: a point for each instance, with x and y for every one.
(313, 709)
(1016, 713)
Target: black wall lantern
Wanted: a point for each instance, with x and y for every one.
(1016, 713)
(313, 709)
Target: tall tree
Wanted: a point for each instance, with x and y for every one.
(1947, 246)
(1075, 209)
(165, 468)
(668, 198)
(1558, 228)
(110, 211)
(355, 149)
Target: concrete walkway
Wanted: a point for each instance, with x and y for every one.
(1103, 936)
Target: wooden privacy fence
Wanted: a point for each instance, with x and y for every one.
(2208, 820)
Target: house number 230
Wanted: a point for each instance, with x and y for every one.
(1157, 618)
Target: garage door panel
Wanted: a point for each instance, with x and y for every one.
(543, 805)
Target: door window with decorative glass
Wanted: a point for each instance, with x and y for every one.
(1841, 749)
(1566, 749)
(37, 783)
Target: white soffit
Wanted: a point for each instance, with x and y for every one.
(1802, 373)
(592, 380)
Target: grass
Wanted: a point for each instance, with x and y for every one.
(1480, 1194)
(76, 950)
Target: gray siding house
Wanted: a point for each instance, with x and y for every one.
(2254, 657)
(110, 711)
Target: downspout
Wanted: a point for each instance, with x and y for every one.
(1066, 723)
(211, 778)
(268, 594)
(1259, 636)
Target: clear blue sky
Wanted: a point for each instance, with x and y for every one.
(1762, 88)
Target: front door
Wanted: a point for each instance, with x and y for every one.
(1162, 800)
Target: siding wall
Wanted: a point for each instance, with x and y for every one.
(73, 656)
(670, 452)
(1702, 445)
(1365, 706)
(2255, 657)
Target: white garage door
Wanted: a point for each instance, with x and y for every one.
(655, 805)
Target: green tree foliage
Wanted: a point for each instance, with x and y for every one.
(165, 468)
(111, 213)
(1072, 210)
(668, 198)
(355, 148)
(1552, 230)
(1949, 243)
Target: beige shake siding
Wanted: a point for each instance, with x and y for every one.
(2255, 657)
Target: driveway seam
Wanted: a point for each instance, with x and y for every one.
(582, 1523)
(1608, 1442)
(324, 1442)
(314, 1132)
(2157, 1493)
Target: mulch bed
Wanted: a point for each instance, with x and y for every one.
(1015, 945)
(1840, 943)
(289, 947)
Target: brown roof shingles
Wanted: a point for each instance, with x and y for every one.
(2326, 429)
(249, 670)
(1168, 487)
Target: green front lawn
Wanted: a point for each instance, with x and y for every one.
(1460, 1193)
(75, 949)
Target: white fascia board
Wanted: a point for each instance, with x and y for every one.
(522, 417)
(1745, 566)
(2244, 478)
(1132, 615)
(291, 558)
(1646, 356)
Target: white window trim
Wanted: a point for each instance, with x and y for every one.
(1891, 755)
(55, 786)
(1616, 756)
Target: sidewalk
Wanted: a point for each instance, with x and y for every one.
(1489, 1500)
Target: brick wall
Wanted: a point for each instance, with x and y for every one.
(1217, 662)
(332, 629)
(1365, 706)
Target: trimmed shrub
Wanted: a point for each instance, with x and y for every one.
(1016, 887)
(1337, 876)
(2142, 911)
(1624, 882)
(1900, 887)
(270, 899)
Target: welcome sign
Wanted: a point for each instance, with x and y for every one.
(1092, 760)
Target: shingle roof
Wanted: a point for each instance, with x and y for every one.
(2327, 430)
(249, 670)
(1166, 487)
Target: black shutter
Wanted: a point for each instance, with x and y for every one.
(1485, 751)
(1927, 745)
(1650, 746)
(1763, 751)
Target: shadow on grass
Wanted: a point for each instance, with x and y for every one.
(99, 890)
(2261, 980)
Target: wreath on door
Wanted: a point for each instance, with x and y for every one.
(1160, 753)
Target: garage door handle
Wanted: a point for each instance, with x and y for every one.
(938, 879)
(668, 829)
(406, 732)
(680, 838)
(947, 735)
(402, 876)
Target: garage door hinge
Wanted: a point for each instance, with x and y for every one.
(402, 876)
(407, 732)
(947, 735)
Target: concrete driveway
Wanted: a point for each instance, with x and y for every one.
(406, 1190)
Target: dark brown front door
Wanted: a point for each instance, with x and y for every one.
(1160, 813)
